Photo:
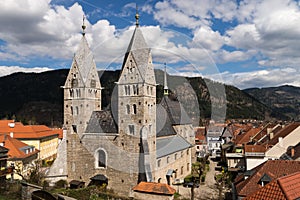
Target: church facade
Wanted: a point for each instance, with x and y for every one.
(136, 140)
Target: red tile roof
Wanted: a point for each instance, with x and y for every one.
(286, 187)
(200, 135)
(245, 137)
(15, 146)
(27, 132)
(273, 168)
(290, 185)
(154, 188)
(282, 133)
(254, 148)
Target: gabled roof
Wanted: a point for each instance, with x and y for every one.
(154, 188)
(283, 132)
(29, 131)
(246, 137)
(15, 147)
(274, 169)
(171, 144)
(286, 187)
(102, 122)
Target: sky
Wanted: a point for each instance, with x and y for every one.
(245, 43)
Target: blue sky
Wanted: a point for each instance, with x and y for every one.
(249, 43)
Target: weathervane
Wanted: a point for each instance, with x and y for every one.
(83, 25)
(137, 16)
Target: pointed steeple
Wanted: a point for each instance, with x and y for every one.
(166, 89)
(83, 56)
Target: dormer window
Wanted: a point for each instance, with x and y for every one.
(264, 180)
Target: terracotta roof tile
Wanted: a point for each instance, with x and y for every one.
(245, 137)
(15, 147)
(273, 168)
(254, 148)
(290, 185)
(156, 188)
(282, 133)
(286, 187)
(27, 132)
(269, 192)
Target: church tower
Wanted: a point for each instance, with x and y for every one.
(82, 96)
(137, 106)
(82, 89)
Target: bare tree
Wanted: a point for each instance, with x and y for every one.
(197, 170)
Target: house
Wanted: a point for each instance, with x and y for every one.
(214, 139)
(200, 141)
(159, 191)
(256, 178)
(20, 155)
(134, 140)
(274, 148)
(40, 136)
(283, 188)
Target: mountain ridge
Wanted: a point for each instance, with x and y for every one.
(37, 98)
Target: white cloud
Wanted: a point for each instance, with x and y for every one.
(209, 39)
(260, 78)
(7, 70)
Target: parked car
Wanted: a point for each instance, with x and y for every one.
(190, 184)
(178, 181)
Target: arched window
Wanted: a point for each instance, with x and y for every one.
(134, 109)
(101, 158)
(77, 110)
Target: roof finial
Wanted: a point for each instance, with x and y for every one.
(166, 89)
(83, 25)
(137, 16)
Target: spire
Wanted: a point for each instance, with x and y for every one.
(137, 16)
(83, 25)
(166, 89)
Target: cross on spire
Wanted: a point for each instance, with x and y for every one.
(137, 16)
(83, 26)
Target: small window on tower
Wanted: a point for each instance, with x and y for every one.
(131, 129)
(93, 83)
(127, 109)
(134, 109)
(74, 82)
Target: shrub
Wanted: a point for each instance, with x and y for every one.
(61, 184)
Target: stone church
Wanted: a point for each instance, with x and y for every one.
(136, 139)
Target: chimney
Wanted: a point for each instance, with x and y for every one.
(269, 130)
(271, 135)
(280, 141)
(292, 152)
